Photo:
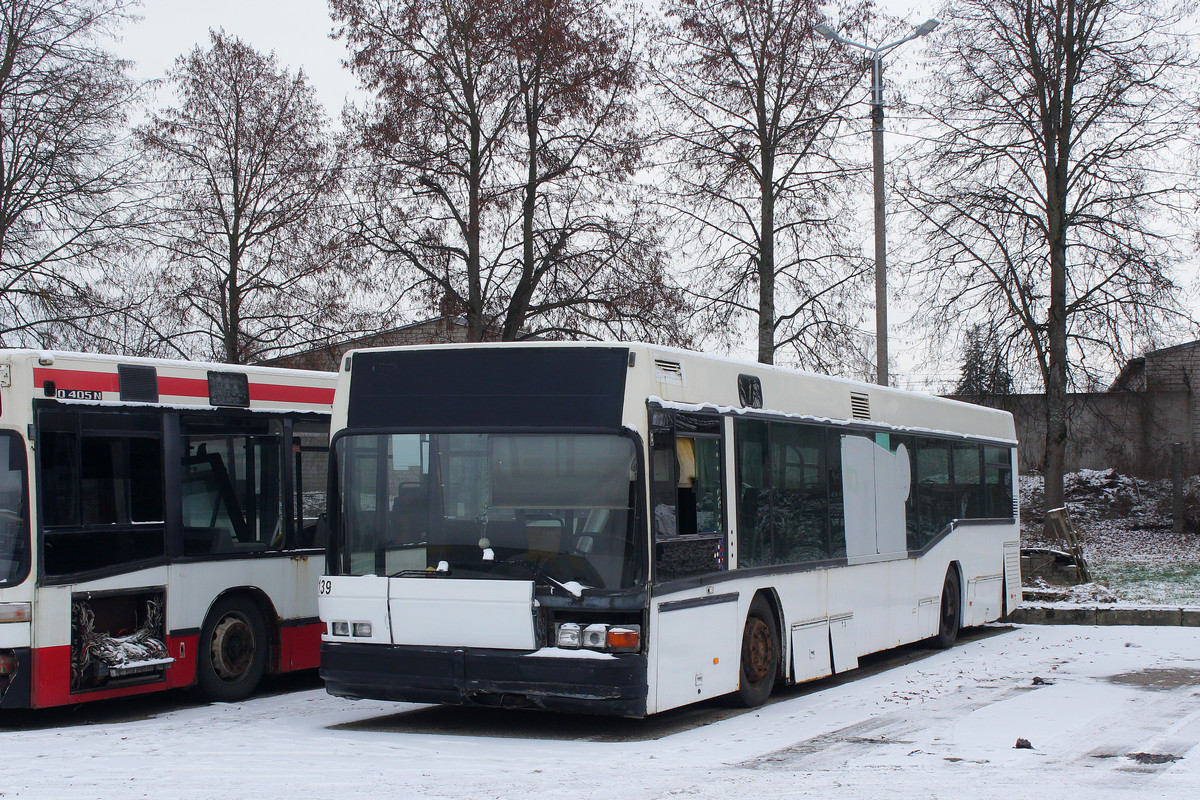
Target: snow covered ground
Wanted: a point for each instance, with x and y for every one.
(1109, 712)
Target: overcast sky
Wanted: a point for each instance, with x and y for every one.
(297, 30)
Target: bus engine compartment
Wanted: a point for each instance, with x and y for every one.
(117, 638)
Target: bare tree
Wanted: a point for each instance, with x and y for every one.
(62, 107)
(502, 138)
(1041, 192)
(756, 102)
(251, 269)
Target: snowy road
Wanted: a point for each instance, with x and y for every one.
(1117, 715)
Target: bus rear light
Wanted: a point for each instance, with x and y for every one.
(8, 663)
(14, 612)
(340, 628)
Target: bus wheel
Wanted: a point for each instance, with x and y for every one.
(233, 650)
(760, 656)
(950, 617)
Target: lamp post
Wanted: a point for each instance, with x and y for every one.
(881, 346)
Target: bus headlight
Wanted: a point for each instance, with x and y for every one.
(362, 630)
(599, 636)
(595, 637)
(568, 635)
(340, 628)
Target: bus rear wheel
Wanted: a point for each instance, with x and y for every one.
(950, 614)
(760, 656)
(232, 653)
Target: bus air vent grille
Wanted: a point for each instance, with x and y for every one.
(138, 383)
(668, 371)
(860, 405)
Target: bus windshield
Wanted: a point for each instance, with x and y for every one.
(555, 508)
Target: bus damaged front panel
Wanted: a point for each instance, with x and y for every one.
(472, 642)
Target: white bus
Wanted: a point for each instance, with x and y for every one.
(158, 525)
(624, 529)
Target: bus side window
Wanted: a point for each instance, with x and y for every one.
(687, 494)
(663, 478)
(310, 478)
(233, 486)
(59, 478)
(707, 486)
(791, 508)
(800, 493)
(968, 481)
(101, 477)
(14, 510)
(837, 501)
(998, 490)
(935, 488)
(755, 534)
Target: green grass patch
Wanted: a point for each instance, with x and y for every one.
(1150, 584)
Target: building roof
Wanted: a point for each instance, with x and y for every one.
(439, 330)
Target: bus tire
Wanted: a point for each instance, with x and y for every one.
(233, 648)
(760, 656)
(950, 611)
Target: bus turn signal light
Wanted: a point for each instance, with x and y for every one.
(624, 639)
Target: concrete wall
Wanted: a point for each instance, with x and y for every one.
(1129, 431)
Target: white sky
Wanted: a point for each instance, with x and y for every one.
(297, 30)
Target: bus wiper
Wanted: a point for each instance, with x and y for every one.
(420, 573)
(574, 588)
(442, 571)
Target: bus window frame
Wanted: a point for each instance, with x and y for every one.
(696, 425)
(639, 524)
(17, 441)
(98, 421)
(170, 433)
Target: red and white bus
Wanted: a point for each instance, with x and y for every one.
(161, 525)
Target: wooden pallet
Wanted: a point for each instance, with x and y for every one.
(1064, 530)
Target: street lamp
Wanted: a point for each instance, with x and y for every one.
(881, 346)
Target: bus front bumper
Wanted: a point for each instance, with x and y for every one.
(613, 685)
(16, 687)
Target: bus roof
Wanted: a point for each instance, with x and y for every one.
(97, 378)
(682, 378)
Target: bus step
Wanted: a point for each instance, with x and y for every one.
(138, 667)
